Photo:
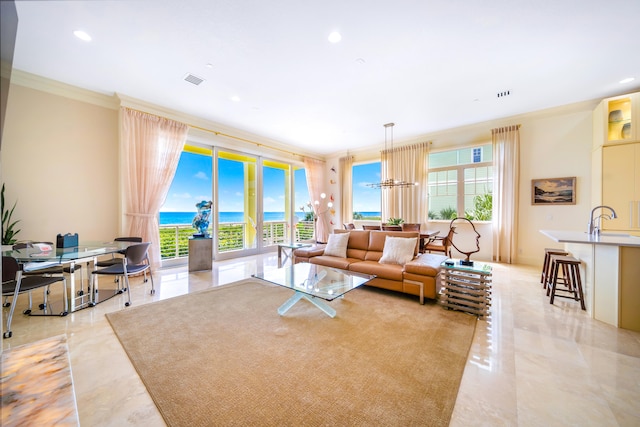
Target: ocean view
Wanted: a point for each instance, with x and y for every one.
(173, 218)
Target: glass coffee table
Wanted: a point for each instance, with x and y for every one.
(315, 283)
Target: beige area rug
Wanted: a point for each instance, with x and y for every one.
(225, 357)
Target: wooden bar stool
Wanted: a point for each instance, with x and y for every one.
(546, 267)
(571, 279)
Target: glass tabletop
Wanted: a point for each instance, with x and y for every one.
(315, 280)
(41, 252)
(477, 267)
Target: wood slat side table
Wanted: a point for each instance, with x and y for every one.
(466, 288)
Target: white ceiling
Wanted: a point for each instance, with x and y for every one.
(425, 65)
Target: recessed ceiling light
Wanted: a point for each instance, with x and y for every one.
(627, 80)
(209, 65)
(335, 37)
(235, 98)
(360, 61)
(82, 35)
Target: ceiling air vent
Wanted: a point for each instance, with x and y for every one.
(193, 79)
(504, 93)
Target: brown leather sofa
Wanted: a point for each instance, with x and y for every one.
(417, 277)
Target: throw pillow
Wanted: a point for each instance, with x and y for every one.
(337, 245)
(398, 250)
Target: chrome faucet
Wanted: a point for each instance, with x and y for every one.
(595, 229)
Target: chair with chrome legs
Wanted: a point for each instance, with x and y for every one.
(15, 283)
(134, 262)
(116, 260)
(56, 270)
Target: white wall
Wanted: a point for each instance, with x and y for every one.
(60, 162)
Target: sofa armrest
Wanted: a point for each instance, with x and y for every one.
(425, 264)
(309, 251)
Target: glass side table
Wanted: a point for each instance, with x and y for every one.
(466, 288)
(287, 249)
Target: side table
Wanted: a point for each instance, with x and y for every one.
(200, 253)
(287, 249)
(466, 288)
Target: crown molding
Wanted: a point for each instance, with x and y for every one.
(205, 131)
(43, 84)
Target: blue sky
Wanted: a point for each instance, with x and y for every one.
(192, 184)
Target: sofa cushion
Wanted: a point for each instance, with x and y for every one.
(333, 261)
(377, 239)
(337, 245)
(382, 271)
(398, 250)
(425, 264)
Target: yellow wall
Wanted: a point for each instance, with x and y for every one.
(60, 162)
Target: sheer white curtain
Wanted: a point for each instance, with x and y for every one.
(346, 189)
(150, 149)
(409, 163)
(315, 170)
(506, 179)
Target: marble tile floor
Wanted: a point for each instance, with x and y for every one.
(530, 364)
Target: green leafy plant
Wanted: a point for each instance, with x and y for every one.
(448, 213)
(482, 208)
(357, 215)
(8, 233)
(395, 221)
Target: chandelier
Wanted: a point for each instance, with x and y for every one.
(390, 182)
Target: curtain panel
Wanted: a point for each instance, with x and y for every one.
(150, 149)
(506, 181)
(346, 189)
(315, 170)
(408, 163)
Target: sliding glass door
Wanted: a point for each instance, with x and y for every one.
(254, 203)
(237, 207)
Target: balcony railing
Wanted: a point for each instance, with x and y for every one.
(232, 236)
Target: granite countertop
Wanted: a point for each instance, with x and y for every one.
(605, 238)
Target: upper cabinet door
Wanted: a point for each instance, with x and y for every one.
(621, 185)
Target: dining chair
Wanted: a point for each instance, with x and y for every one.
(56, 270)
(410, 226)
(134, 262)
(117, 260)
(371, 227)
(440, 243)
(386, 227)
(349, 226)
(15, 283)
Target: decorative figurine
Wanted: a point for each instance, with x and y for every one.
(201, 220)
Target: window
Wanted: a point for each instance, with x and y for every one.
(366, 200)
(461, 183)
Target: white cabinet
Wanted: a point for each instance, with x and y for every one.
(621, 186)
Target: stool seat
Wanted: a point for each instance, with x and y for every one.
(546, 266)
(571, 279)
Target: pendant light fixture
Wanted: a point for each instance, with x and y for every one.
(390, 182)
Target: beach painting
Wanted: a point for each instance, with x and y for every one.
(553, 191)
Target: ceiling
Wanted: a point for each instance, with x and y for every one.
(425, 65)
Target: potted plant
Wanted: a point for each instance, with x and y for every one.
(395, 221)
(8, 233)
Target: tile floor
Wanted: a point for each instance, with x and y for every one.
(531, 364)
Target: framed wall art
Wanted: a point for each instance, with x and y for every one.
(553, 191)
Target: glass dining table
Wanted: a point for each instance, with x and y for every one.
(41, 257)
